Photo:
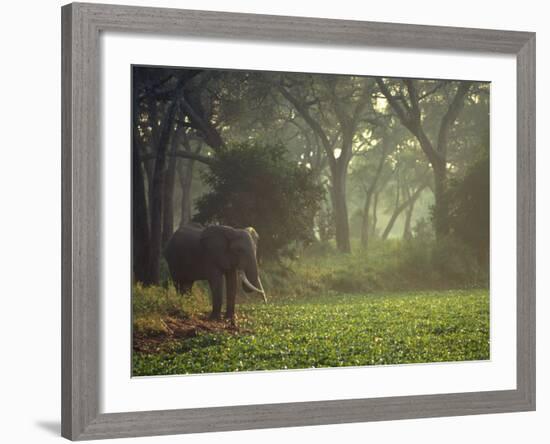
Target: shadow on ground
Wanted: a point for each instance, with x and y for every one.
(53, 427)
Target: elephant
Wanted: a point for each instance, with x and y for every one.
(217, 254)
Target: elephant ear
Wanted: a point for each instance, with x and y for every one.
(255, 237)
(215, 240)
(253, 234)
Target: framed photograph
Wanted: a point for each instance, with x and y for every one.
(278, 221)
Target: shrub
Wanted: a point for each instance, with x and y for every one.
(258, 186)
(392, 265)
(167, 301)
(469, 200)
(456, 262)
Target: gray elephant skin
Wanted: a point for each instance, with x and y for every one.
(216, 253)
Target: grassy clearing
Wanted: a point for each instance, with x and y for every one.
(390, 266)
(303, 332)
(394, 305)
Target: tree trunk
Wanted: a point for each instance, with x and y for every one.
(374, 214)
(140, 225)
(185, 174)
(168, 203)
(365, 229)
(340, 209)
(154, 110)
(140, 222)
(400, 208)
(407, 231)
(158, 191)
(395, 214)
(441, 207)
(390, 224)
(149, 169)
(365, 225)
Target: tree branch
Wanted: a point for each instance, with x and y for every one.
(185, 155)
(450, 116)
(304, 113)
(392, 100)
(415, 113)
(411, 122)
(314, 125)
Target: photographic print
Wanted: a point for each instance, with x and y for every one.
(300, 220)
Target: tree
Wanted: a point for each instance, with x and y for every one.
(257, 185)
(469, 202)
(411, 178)
(140, 220)
(400, 206)
(406, 98)
(187, 121)
(162, 104)
(369, 169)
(157, 190)
(334, 108)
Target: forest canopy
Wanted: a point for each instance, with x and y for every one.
(337, 160)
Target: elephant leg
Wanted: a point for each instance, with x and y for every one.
(184, 287)
(230, 294)
(216, 288)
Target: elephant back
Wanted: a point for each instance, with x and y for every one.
(184, 246)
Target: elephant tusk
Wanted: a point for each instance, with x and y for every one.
(250, 286)
(263, 291)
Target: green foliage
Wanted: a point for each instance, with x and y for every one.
(150, 305)
(256, 185)
(325, 224)
(469, 209)
(391, 265)
(457, 263)
(326, 309)
(423, 230)
(334, 331)
(166, 301)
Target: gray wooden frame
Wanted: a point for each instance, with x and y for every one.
(81, 166)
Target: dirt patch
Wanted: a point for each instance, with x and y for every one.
(176, 329)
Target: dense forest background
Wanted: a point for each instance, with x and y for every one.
(390, 174)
